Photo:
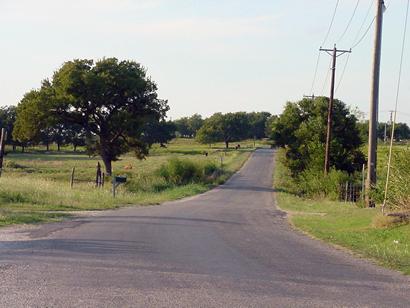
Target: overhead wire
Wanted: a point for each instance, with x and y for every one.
(343, 72)
(364, 34)
(363, 22)
(315, 74)
(395, 108)
(350, 21)
(331, 23)
(327, 77)
(355, 41)
(323, 42)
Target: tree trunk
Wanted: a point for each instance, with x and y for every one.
(48, 146)
(75, 148)
(226, 144)
(14, 147)
(107, 164)
(22, 149)
(58, 146)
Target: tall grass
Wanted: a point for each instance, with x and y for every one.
(398, 197)
(35, 186)
(180, 172)
(311, 183)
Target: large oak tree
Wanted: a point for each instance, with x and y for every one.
(112, 100)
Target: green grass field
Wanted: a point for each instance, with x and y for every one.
(349, 226)
(35, 186)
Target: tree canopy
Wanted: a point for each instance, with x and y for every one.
(301, 130)
(7, 119)
(257, 124)
(111, 100)
(188, 126)
(227, 128)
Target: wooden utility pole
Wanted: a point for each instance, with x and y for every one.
(388, 123)
(334, 53)
(385, 132)
(374, 105)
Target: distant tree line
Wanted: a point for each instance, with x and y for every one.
(232, 127)
(111, 107)
(227, 128)
(401, 131)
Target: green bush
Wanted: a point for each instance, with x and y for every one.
(314, 183)
(210, 169)
(181, 172)
(311, 182)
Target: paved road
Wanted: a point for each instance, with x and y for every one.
(229, 247)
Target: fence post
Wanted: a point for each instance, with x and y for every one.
(363, 180)
(346, 191)
(98, 176)
(72, 177)
(2, 149)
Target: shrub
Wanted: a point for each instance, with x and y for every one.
(181, 172)
(313, 183)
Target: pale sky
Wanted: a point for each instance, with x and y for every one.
(206, 56)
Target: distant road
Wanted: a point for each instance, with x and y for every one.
(229, 247)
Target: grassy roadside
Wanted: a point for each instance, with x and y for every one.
(348, 226)
(35, 186)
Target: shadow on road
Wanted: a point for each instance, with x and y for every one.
(62, 246)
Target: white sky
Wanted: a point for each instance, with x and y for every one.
(209, 55)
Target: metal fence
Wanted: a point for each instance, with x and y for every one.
(350, 192)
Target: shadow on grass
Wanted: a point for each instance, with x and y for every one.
(50, 156)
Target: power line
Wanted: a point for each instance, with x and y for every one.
(355, 39)
(324, 41)
(359, 41)
(364, 21)
(395, 107)
(331, 23)
(349, 22)
(343, 72)
(326, 78)
(315, 75)
(365, 34)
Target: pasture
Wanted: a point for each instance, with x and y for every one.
(35, 186)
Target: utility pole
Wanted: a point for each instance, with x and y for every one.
(388, 123)
(334, 53)
(374, 105)
(385, 133)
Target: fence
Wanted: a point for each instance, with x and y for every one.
(350, 192)
(99, 178)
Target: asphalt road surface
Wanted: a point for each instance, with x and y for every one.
(229, 247)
